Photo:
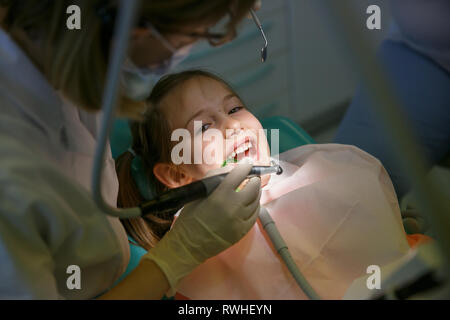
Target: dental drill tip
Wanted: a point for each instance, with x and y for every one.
(263, 54)
(279, 170)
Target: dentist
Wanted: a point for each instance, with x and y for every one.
(51, 84)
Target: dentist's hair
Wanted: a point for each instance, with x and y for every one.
(152, 143)
(75, 61)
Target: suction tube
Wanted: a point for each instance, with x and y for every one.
(281, 247)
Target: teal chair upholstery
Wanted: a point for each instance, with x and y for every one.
(120, 138)
(291, 135)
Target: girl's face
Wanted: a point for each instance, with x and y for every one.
(211, 102)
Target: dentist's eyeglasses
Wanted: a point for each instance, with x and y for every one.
(212, 36)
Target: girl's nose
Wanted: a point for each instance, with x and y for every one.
(231, 126)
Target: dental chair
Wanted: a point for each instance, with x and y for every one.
(291, 135)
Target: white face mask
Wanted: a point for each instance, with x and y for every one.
(138, 82)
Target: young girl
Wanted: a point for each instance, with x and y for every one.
(334, 205)
(176, 102)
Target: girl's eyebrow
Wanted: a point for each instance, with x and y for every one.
(229, 97)
(199, 112)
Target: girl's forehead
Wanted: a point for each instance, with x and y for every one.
(193, 95)
(202, 89)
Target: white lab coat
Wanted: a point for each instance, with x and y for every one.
(48, 220)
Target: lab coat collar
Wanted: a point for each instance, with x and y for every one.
(27, 87)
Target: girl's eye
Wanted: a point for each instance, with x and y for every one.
(235, 109)
(205, 127)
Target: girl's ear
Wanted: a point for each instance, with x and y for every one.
(171, 175)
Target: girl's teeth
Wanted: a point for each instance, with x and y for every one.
(244, 148)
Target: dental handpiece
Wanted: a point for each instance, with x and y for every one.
(174, 199)
(258, 171)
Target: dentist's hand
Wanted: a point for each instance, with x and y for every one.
(208, 226)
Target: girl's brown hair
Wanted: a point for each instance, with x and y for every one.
(152, 143)
(75, 61)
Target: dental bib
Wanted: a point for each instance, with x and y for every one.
(337, 211)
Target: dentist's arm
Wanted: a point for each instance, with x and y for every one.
(146, 282)
(203, 229)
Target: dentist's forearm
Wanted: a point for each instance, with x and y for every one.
(147, 281)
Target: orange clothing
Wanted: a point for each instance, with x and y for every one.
(414, 240)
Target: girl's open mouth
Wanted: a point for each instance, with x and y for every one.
(245, 149)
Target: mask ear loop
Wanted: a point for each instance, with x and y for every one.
(161, 38)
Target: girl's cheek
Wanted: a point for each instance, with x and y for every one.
(199, 171)
(213, 151)
(196, 148)
(206, 151)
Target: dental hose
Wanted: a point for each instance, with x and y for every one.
(281, 247)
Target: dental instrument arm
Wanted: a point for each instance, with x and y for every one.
(122, 32)
(258, 24)
(281, 247)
